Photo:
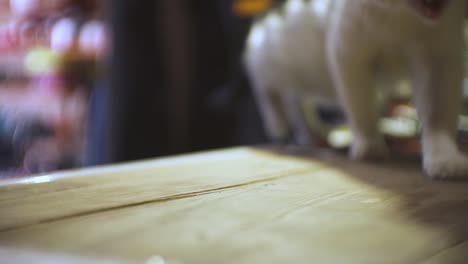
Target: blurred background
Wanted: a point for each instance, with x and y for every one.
(85, 83)
(95, 82)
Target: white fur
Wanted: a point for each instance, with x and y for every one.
(341, 50)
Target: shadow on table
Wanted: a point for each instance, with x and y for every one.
(443, 205)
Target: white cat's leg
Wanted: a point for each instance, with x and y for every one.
(351, 70)
(272, 114)
(292, 103)
(438, 86)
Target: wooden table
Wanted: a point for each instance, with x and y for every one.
(240, 205)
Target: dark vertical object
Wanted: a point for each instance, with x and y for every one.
(169, 58)
(210, 128)
(177, 50)
(137, 118)
(236, 95)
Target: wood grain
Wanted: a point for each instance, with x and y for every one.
(240, 206)
(67, 194)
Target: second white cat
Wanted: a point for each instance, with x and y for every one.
(345, 51)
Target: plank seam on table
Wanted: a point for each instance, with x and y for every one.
(8, 225)
(288, 174)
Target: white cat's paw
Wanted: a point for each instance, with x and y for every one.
(447, 166)
(369, 150)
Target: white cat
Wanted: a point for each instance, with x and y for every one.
(344, 49)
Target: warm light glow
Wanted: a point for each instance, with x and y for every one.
(250, 7)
